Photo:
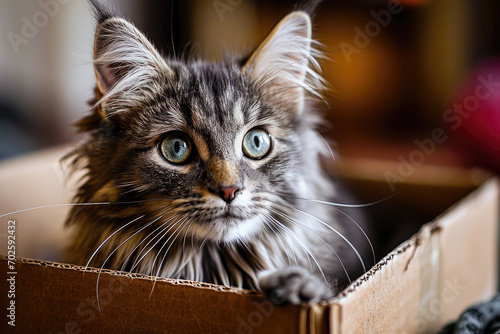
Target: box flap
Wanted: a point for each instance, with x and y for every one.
(431, 278)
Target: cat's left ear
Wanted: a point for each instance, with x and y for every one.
(284, 63)
(124, 59)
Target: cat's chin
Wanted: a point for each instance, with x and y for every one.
(227, 229)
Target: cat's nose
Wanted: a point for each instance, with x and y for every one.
(227, 193)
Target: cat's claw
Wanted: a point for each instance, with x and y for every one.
(293, 285)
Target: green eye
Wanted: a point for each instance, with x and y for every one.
(176, 148)
(256, 144)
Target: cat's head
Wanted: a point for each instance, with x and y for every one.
(211, 146)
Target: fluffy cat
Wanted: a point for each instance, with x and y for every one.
(212, 171)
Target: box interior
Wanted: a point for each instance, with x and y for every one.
(398, 211)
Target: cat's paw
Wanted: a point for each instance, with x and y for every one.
(293, 285)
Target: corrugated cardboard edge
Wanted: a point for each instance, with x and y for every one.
(83, 269)
(56, 297)
(395, 300)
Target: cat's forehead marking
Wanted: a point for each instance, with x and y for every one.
(238, 116)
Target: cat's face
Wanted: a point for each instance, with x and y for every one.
(215, 152)
(213, 147)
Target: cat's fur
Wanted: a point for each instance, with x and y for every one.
(171, 220)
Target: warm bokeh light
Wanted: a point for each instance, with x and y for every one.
(363, 86)
(412, 2)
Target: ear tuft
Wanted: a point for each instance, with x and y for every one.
(308, 6)
(100, 11)
(285, 62)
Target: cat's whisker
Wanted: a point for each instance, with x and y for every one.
(295, 222)
(79, 204)
(118, 230)
(161, 234)
(185, 236)
(306, 249)
(111, 254)
(181, 226)
(350, 218)
(185, 262)
(362, 231)
(344, 205)
(329, 227)
(53, 206)
(291, 246)
(110, 236)
(179, 223)
(125, 263)
(272, 228)
(140, 243)
(269, 236)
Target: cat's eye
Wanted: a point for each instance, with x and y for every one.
(176, 147)
(256, 143)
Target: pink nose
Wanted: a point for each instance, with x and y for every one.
(228, 193)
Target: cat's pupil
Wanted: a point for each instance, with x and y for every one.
(177, 146)
(256, 140)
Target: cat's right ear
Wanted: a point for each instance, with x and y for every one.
(124, 59)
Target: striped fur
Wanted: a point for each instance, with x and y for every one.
(163, 219)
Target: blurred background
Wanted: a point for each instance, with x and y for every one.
(393, 67)
(413, 83)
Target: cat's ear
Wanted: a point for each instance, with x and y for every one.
(124, 58)
(284, 64)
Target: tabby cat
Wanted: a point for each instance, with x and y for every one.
(212, 171)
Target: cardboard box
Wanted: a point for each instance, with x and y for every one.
(426, 281)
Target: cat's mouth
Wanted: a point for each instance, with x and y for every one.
(230, 214)
(226, 224)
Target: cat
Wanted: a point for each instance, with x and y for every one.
(213, 172)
